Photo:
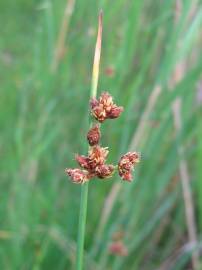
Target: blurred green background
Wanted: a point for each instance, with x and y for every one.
(151, 57)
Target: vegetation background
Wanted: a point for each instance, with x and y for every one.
(151, 59)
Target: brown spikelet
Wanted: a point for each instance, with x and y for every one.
(126, 165)
(77, 176)
(104, 108)
(94, 135)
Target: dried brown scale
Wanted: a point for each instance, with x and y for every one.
(134, 157)
(83, 161)
(104, 171)
(78, 176)
(99, 113)
(107, 101)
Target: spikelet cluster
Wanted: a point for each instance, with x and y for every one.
(94, 164)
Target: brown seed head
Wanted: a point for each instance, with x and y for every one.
(94, 135)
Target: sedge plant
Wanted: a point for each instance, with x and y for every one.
(94, 164)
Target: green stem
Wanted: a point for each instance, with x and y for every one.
(84, 188)
(82, 224)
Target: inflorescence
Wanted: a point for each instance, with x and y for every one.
(94, 165)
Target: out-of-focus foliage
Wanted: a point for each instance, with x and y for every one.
(44, 120)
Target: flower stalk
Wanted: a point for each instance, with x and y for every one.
(84, 187)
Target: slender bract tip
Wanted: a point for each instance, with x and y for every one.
(96, 62)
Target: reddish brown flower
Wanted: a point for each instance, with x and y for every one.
(107, 101)
(78, 176)
(99, 113)
(105, 108)
(94, 164)
(83, 161)
(104, 171)
(126, 165)
(94, 135)
(97, 156)
(134, 157)
(118, 248)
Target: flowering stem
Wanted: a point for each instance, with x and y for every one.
(84, 188)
